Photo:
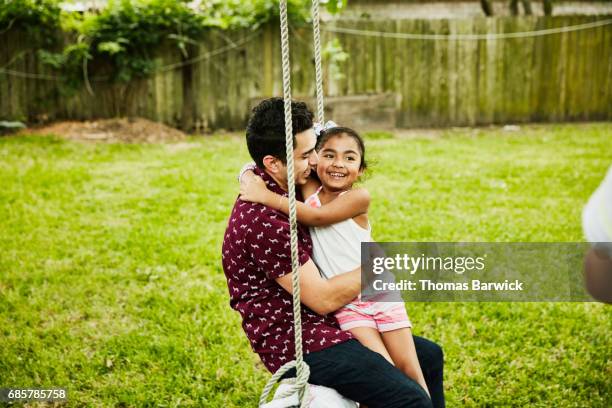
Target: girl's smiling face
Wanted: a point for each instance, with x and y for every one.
(339, 162)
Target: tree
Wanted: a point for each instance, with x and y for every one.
(548, 7)
(487, 7)
(514, 8)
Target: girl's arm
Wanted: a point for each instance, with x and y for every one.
(349, 205)
(246, 173)
(308, 189)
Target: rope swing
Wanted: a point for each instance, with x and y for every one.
(299, 385)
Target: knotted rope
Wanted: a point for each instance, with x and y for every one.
(302, 370)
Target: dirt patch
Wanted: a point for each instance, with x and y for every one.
(127, 130)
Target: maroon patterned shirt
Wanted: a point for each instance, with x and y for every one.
(256, 250)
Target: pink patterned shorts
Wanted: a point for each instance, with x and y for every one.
(382, 316)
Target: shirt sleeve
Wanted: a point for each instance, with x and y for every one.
(271, 246)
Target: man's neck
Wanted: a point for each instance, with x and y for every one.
(281, 184)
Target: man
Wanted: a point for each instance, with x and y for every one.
(597, 223)
(257, 265)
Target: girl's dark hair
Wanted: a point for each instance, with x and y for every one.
(336, 131)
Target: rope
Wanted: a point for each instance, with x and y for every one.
(302, 369)
(317, 53)
(459, 37)
(164, 68)
(29, 75)
(208, 54)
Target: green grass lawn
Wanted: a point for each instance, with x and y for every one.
(111, 282)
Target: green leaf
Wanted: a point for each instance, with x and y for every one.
(334, 6)
(110, 47)
(54, 59)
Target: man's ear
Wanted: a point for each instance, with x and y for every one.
(272, 164)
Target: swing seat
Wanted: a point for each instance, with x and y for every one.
(318, 397)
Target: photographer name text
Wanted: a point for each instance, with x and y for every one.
(429, 285)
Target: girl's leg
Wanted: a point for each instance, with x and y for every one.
(400, 346)
(370, 337)
(431, 359)
(363, 326)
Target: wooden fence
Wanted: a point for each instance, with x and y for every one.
(557, 77)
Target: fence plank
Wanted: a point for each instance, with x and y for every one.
(438, 83)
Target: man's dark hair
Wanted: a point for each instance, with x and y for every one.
(265, 133)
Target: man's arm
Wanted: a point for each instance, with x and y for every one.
(321, 295)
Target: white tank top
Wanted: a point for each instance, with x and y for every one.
(336, 248)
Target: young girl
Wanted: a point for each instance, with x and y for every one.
(338, 216)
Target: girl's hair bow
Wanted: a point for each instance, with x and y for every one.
(319, 128)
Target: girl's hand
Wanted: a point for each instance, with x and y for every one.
(254, 190)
